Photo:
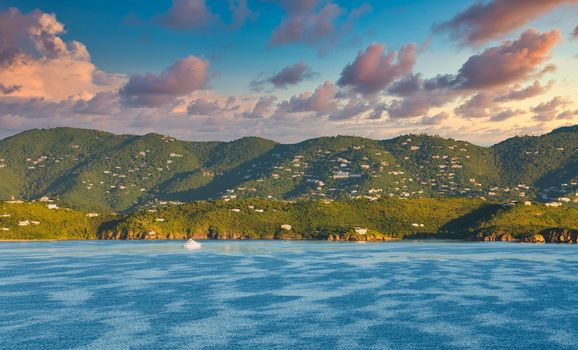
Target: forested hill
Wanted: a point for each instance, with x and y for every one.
(95, 170)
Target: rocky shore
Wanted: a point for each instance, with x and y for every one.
(555, 235)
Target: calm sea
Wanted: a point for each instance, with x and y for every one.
(288, 295)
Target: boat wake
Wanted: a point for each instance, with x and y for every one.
(192, 244)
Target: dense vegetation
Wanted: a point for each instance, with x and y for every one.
(264, 219)
(522, 220)
(388, 219)
(24, 221)
(354, 220)
(98, 171)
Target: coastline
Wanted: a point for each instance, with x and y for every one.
(408, 240)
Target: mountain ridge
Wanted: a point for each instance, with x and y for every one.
(96, 170)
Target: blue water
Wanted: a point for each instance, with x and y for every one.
(297, 295)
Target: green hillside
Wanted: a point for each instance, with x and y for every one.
(524, 220)
(265, 219)
(352, 220)
(99, 171)
(382, 220)
(23, 221)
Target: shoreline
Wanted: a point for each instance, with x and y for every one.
(412, 240)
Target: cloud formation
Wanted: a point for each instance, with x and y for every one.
(437, 119)
(180, 79)
(46, 80)
(420, 103)
(321, 101)
(505, 115)
(264, 107)
(204, 107)
(36, 62)
(548, 111)
(530, 91)
(194, 14)
(290, 75)
(481, 105)
(485, 21)
(313, 22)
(373, 70)
(240, 13)
(407, 86)
(510, 62)
(487, 75)
(186, 14)
(7, 90)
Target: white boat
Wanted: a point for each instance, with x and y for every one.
(192, 244)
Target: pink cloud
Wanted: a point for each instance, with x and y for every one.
(202, 106)
(314, 22)
(420, 103)
(181, 78)
(533, 90)
(510, 62)
(185, 14)
(373, 70)
(193, 14)
(321, 101)
(407, 86)
(7, 90)
(482, 22)
(548, 111)
(263, 108)
(488, 75)
(304, 23)
(505, 115)
(240, 13)
(34, 57)
(568, 115)
(437, 119)
(290, 75)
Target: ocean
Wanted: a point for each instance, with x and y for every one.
(288, 295)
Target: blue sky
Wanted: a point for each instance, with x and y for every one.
(122, 39)
(128, 39)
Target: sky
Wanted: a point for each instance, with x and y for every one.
(290, 70)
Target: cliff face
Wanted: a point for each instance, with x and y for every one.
(561, 235)
(489, 236)
(555, 235)
(152, 235)
(536, 238)
(211, 235)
